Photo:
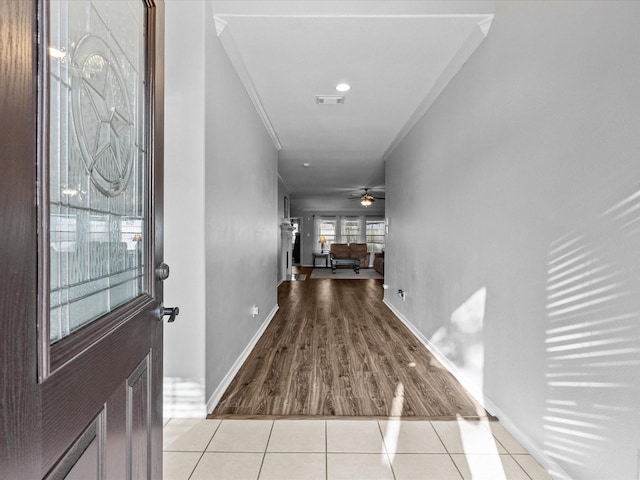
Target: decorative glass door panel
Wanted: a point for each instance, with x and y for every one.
(98, 160)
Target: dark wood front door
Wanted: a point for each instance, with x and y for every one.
(81, 153)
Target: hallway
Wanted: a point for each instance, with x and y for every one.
(335, 349)
(337, 388)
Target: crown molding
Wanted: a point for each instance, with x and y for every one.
(355, 16)
(233, 53)
(485, 25)
(220, 24)
(475, 38)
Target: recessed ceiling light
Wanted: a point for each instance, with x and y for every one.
(305, 164)
(343, 87)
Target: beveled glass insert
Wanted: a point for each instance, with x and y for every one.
(97, 159)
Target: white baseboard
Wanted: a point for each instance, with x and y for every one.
(552, 468)
(233, 371)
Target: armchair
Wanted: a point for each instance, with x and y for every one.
(339, 250)
(378, 263)
(359, 251)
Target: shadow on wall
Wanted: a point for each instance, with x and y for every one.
(461, 339)
(593, 346)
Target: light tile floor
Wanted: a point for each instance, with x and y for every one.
(197, 449)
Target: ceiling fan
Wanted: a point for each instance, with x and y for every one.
(367, 199)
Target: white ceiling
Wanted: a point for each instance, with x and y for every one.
(396, 55)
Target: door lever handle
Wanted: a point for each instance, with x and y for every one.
(173, 312)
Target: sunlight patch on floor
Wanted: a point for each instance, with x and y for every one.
(393, 427)
(477, 435)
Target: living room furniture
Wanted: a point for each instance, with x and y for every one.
(353, 262)
(378, 263)
(359, 251)
(339, 250)
(321, 255)
(322, 241)
(350, 251)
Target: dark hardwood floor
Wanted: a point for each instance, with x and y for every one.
(334, 349)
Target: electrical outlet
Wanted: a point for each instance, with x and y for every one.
(255, 311)
(402, 294)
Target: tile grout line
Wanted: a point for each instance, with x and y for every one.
(196, 465)
(447, 450)
(526, 472)
(214, 434)
(326, 451)
(264, 454)
(201, 453)
(386, 450)
(497, 440)
(521, 467)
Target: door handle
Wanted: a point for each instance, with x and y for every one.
(172, 312)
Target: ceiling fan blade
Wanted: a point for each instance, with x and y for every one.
(365, 195)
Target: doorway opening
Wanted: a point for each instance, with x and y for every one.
(296, 239)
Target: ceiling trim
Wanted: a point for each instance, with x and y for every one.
(469, 46)
(370, 7)
(471, 43)
(236, 59)
(355, 16)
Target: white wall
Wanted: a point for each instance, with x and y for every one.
(184, 367)
(221, 212)
(241, 215)
(521, 259)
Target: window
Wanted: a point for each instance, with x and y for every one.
(350, 230)
(375, 236)
(98, 159)
(327, 229)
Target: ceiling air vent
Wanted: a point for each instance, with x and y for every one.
(330, 99)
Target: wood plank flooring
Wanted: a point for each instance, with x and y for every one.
(334, 349)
